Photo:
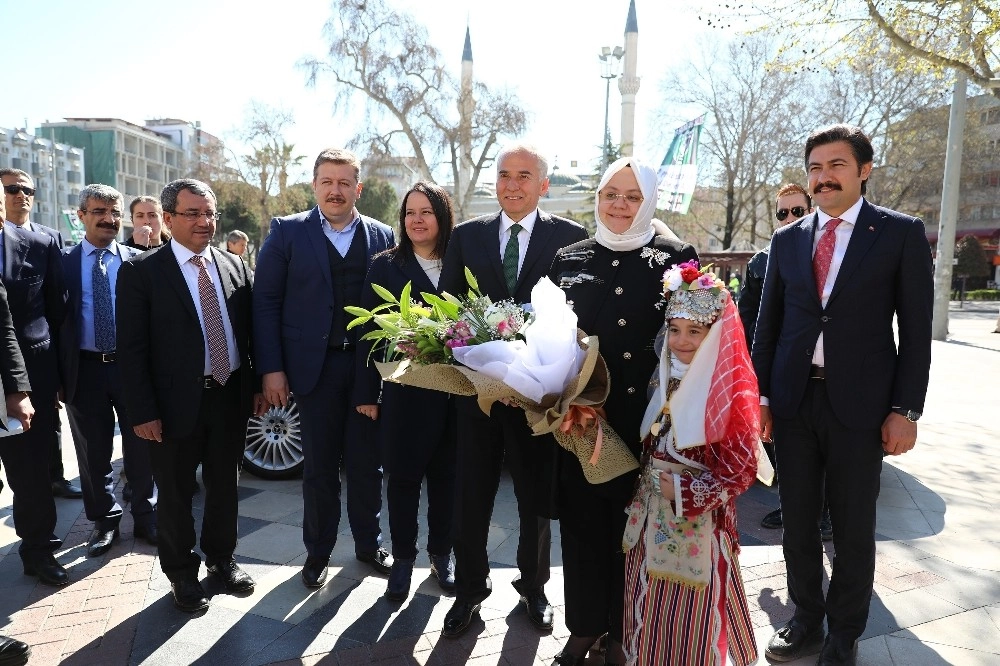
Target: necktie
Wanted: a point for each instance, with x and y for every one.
(510, 258)
(215, 332)
(104, 316)
(824, 254)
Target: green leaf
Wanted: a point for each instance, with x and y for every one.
(384, 293)
(358, 322)
(471, 280)
(404, 301)
(357, 312)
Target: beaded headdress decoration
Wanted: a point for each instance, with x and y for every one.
(693, 293)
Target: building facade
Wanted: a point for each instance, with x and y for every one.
(57, 170)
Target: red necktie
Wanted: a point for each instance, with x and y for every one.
(824, 254)
(215, 331)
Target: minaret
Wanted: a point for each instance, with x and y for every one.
(628, 82)
(466, 107)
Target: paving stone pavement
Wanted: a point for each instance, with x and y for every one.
(936, 601)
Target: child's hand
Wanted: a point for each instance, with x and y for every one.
(666, 480)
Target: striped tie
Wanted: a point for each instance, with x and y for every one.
(215, 332)
(824, 254)
(510, 258)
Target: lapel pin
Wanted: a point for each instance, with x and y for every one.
(871, 228)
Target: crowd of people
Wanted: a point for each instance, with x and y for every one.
(183, 343)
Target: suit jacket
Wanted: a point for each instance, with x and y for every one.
(753, 285)
(32, 274)
(886, 271)
(12, 371)
(294, 297)
(69, 333)
(476, 244)
(161, 347)
(50, 232)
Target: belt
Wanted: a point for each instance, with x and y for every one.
(209, 382)
(817, 372)
(343, 346)
(103, 357)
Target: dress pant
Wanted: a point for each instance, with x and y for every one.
(591, 525)
(418, 431)
(484, 443)
(34, 507)
(216, 442)
(96, 399)
(332, 430)
(816, 450)
(45, 432)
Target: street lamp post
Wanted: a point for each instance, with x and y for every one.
(610, 65)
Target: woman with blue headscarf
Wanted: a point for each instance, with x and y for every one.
(614, 282)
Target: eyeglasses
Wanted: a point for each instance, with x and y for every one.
(796, 211)
(611, 197)
(23, 189)
(194, 216)
(101, 212)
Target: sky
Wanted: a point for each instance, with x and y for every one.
(204, 60)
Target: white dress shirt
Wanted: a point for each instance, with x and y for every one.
(843, 232)
(190, 273)
(527, 224)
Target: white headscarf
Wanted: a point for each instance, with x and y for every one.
(641, 231)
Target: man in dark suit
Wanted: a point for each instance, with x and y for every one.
(19, 191)
(508, 252)
(17, 405)
(311, 266)
(835, 390)
(32, 275)
(91, 379)
(184, 350)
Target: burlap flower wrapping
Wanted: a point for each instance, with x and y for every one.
(573, 417)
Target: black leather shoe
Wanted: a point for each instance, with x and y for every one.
(826, 526)
(380, 560)
(459, 617)
(189, 596)
(48, 571)
(13, 652)
(838, 652)
(793, 641)
(148, 533)
(539, 609)
(772, 521)
(232, 577)
(63, 488)
(444, 570)
(100, 541)
(399, 580)
(127, 493)
(314, 571)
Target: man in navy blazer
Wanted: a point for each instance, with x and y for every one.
(835, 390)
(91, 379)
(27, 262)
(19, 192)
(503, 436)
(310, 267)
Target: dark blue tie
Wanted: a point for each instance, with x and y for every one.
(104, 316)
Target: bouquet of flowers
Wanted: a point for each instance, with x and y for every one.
(532, 356)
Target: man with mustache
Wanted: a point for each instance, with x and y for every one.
(836, 392)
(32, 275)
(310, 267)
(19, 191)
(91, 377)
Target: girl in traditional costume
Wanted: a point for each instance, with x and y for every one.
(684, 596)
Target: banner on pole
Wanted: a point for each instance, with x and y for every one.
(678, 173)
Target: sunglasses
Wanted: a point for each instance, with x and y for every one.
(23, 189)
(797, 211)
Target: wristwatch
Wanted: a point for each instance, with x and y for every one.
(908, 414)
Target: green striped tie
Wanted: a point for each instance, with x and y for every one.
(510, 257)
